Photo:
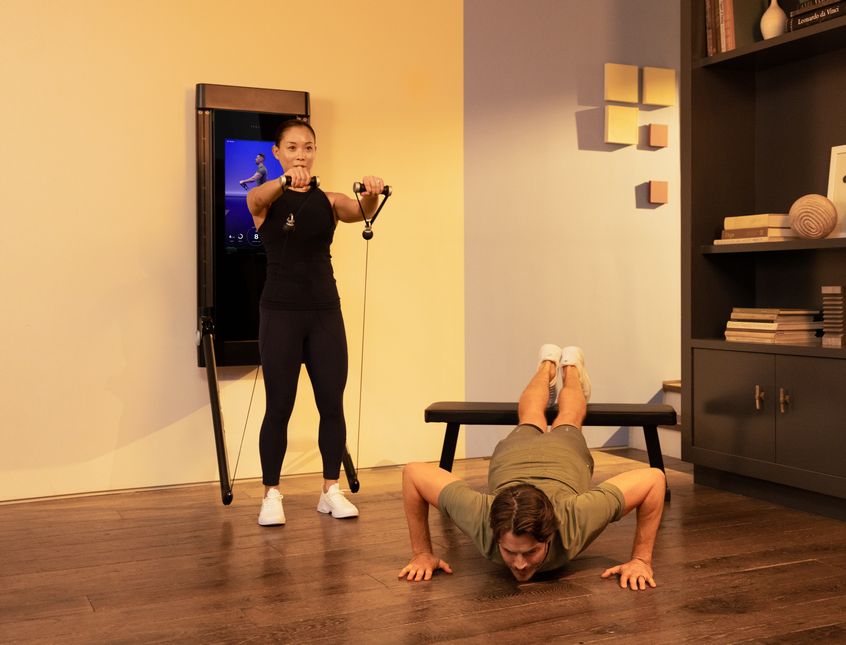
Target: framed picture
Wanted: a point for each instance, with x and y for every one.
(837, 188)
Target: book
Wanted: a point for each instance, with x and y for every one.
(806, 6)
(748, 240)
(758, 231)
(817, 15)
(774, 326)
(779, 220)
(780, 311)
(774, 333)
(772, 317)
(837, 288)
(773, 340)
(832, 341)
(710, 12)
(728, 20)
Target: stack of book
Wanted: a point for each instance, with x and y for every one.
(832, 297)
(764, 227)
(775, 326)
(814, 12)
(719, 26)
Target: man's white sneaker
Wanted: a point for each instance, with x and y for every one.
(550, 352)
(272, 513)
(335, 503)
(573, 355)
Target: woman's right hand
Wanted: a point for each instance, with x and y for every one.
(299, 177)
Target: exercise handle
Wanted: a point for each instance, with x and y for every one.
(314, 182)
(358, 187)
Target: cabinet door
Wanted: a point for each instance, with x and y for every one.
(726, 416)
(811, 431)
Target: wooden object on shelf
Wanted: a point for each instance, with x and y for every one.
(621, 124)
(621, 83)
(833, 311)
(659, 134)
(659, 86)
(658, 192)
(813, 216)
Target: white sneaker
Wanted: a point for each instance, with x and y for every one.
(272, 513)
(573, 355)
(550, 352)
(334, 502)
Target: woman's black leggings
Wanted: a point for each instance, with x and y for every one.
(287, 339)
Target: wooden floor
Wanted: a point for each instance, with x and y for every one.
(177, 566)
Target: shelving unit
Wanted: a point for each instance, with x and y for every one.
(757, 128)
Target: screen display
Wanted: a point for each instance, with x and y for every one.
(247, 164)
(231, 259)
(239, 140)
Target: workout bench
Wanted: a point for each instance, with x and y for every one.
(456, 413)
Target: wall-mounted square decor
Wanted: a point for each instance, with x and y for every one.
(659, 135)
(621, 83)
(620, 124)
(659, 86)
(659, 192)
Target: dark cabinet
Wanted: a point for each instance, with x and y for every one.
(733, 403)
(810, 414)
(777, 417)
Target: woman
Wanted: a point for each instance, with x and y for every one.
(300, 311)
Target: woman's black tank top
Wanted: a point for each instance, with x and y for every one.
(299, 266)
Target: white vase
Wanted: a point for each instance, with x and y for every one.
(774, 21)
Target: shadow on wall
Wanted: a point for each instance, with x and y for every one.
(590, 131)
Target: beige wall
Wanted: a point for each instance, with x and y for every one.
(565, 249)
(100, 389)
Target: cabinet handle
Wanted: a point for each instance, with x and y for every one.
(783, 400)
(759, 397)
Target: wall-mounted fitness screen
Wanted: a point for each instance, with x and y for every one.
(235, 129)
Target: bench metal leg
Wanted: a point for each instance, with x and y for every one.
(653, 450)
(450, 442)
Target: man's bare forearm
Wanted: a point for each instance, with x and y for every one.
(416, 514)
(648, 520)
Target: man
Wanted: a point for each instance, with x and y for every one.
(260, 176)
(542, 512)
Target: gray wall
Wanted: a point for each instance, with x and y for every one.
(560, 244)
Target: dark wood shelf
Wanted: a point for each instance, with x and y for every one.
(756, 127)
(764, 247)
(821, 38)
(764, 348)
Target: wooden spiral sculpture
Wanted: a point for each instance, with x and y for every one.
(813, 216)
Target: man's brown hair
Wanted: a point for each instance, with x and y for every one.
(523, 510)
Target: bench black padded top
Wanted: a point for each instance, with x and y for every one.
(598, 414)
